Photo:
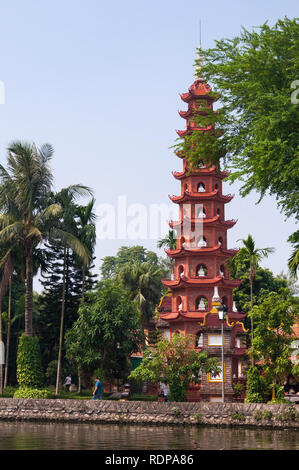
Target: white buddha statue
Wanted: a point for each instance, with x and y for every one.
(201, 214)
(201, 188)
(201, 305)
(201, 242)
(201, 271)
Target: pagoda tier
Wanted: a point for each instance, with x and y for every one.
(184, 281)
(200, 275)
(204, 171)
(199, 89)
(191, 127)
(199, 252)
(192, 196)
(213, 221)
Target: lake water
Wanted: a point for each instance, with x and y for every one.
(62, 436)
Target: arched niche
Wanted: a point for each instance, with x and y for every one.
(202, 242)
(199, 340)
(201, 303)
(179, 303)
(201, 213)
(181, 270)
(201, 270)
(201, 187)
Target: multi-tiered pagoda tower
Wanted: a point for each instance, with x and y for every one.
(201, 278)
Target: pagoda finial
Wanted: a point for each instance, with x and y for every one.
(199, 58)
(198, 64)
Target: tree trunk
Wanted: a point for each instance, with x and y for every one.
(274, 391)
(29, 291)
(251, 303)
(1, 346)
(61, 323)
(8, 332)
(79, 380)
(83, 283)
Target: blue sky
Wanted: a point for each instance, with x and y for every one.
(100, 82)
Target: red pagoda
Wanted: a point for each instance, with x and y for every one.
(201, 279)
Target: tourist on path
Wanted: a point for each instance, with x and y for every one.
(68, 382)
(166, 391)
(98, 391)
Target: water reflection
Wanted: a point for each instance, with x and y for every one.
(50, 436)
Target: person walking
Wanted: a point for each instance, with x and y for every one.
(68, 382)
(98, 390)
(166, 391)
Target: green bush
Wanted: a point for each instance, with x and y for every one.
(238, 417)
(238, 389)
(26, 392)
(9, 392)
(197, 417)
(29, 366)
(289, 414)
(258, 415)
(140, 397)
(267, 415)
(255, 386)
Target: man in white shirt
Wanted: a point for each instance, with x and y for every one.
(166, 391)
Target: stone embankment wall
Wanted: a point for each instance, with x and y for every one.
(130, 412)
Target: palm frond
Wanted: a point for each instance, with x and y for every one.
(74, 243)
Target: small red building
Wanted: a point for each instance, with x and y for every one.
(201, 278)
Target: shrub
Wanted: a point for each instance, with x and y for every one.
(29, 365)
(289, 414)
(238, 389)
(9, 392)
(140, 397)
(26, 392)
(254, 390)
(238, 417)
(198, 417)
(267, 414)
(176, 411)
(258, 415)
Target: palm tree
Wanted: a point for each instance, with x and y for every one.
(87, 232)
(293, 262)
(6, 268)
(24, 189)
(143, 281)
(68, 225)
(254, 256)
(169, 242)
(10, 261)
(28, 217)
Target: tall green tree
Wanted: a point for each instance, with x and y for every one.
(24, 204)
(86, 233)
(273, 336)
(253, 255)
(68, 226)
(293, 263)
(177, 362)
(254, 74)
(111, 265)
(143, 282)
(168, 242)
(106, 332)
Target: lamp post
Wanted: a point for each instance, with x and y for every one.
(222, 309)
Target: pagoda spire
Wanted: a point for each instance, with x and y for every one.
(199, 64)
